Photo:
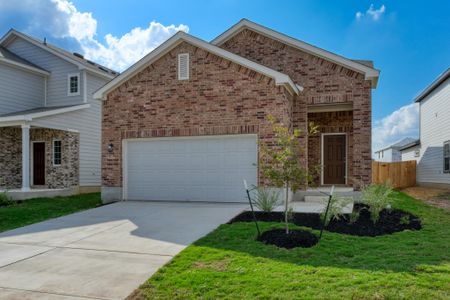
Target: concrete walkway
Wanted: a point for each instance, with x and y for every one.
(102, 253)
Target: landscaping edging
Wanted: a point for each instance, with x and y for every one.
(390, 221)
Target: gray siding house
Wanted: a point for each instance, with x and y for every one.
(432, 150)
(50, 125)
(392, 153)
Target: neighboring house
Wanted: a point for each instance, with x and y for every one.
(432, 151)
(392, 153)
(185, 121)
(49, 122)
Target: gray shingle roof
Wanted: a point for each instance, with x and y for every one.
(6, 54)
(36, 110)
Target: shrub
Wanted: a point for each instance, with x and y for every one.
(337, 204)
(377, 197)
(353, 217)
(5, 199)
(266, 199)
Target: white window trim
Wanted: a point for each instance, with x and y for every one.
(187, 69)
(53, 153)
(68, 84)
(444, 157)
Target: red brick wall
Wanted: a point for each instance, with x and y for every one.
(324, 83)
(219, 98)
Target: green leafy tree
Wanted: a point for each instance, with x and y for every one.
(281, 163)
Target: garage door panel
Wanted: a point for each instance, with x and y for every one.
(195, 169)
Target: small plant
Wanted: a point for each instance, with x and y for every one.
(266, 199)
(5, 199)
(404, 220)
(353, 217)
(281, 163)
(377, 197)
(337, 204)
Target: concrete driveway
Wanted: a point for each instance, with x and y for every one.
(102, 253)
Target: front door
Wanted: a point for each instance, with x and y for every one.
(39, 163)
(334, 156)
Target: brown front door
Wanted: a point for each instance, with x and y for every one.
(334, 159)
(39, 163)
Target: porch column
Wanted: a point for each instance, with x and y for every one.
(25, 157)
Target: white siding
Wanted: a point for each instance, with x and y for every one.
(59, 69)
(88, 123)
(409, 154)
(434, 131)
(20, 90)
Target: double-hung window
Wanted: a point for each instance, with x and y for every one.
(57, 152)
(447, 157)
(73, 84)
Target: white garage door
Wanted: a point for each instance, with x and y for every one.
(190, 169)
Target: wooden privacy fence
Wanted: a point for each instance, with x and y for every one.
(398, 174)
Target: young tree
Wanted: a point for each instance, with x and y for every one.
(281, 163)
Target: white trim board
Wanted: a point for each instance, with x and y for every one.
(24, 67)
(36, 115)
(322, 158)
(370, 73)
(175, 40)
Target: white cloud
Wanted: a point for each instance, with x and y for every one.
(402, 123)
(60, 19)
(371, 13)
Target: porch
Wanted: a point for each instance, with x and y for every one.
(19, 194)
(36, 161)
(340, 152)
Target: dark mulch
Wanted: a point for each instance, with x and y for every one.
(295, 238)
(390, 221)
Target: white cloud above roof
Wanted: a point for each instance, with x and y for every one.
(402, 123)
(60, 19)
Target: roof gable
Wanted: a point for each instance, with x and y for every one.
(436, 83)
(80, 62)
(171, 43)
(359, 66)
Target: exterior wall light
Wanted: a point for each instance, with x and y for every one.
(110, 148)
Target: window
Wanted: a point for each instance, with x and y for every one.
(183, 66)
(73, 84)
(447, 157)
(57, 153)
(417, 153)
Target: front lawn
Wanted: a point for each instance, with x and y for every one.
(230, 264)
(40, 209)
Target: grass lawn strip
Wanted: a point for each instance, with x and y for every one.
(41, 209)
(230, 264)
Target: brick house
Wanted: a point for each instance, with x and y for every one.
(185, 121)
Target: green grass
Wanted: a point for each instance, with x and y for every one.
(230, 264)
(40, 209)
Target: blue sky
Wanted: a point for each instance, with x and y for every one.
(409, 41)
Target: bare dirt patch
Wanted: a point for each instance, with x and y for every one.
(433, 196)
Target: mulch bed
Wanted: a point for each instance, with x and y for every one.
(295, 238)
(390, 221)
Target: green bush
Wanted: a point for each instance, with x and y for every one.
(377, 197)
(5, 199)
(266, 199)
(337, 204)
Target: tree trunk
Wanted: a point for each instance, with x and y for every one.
(286, 207)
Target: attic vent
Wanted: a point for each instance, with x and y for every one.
(78, 55)
(183, 66)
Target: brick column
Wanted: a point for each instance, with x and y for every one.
(362, 138)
